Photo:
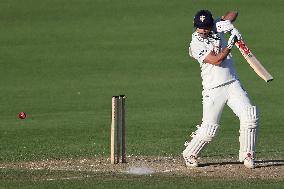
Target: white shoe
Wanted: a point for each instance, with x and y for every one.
(249, 162)
(190, 161)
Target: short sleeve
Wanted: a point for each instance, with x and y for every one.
(198, 51)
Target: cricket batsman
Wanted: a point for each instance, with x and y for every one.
(221, 86)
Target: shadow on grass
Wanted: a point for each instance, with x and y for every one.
(220, 163)
(269, 163)
(259, 163)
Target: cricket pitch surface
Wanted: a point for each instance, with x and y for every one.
(149, 165)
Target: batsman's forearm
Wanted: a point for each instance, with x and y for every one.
(230, 15)
(222, 55)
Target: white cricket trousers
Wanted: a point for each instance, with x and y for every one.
(215, 99)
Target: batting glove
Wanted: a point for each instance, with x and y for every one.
(231, 42)
(224, 26)
(236, 33)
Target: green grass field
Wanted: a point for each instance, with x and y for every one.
(62, 61)
(122, 181)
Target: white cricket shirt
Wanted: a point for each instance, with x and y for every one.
(212, 75)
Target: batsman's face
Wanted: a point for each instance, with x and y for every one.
(203, 32)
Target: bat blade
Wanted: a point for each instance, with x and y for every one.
(253, 62)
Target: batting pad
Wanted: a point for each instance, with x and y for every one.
(200, 138)
(248, 132)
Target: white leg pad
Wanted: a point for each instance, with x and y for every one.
(248, 132)
(202, 136)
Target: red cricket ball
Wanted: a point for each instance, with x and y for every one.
(22, 115)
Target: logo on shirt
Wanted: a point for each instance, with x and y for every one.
(202, 18)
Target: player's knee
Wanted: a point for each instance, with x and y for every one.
(207, 132)
(249, 117)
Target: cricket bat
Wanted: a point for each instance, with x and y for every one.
(253, 62)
